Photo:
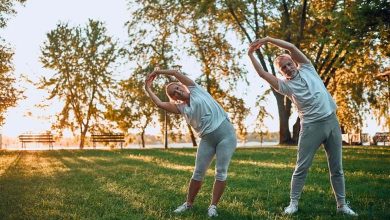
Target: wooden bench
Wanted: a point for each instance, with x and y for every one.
(381, 137)
(37, 138)
(106, 138)
(355, 139)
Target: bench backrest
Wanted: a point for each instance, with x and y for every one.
(382, 136)
(36, 138)
(108, 137)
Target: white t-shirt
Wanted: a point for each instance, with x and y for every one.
(204, 114)
(308, 92)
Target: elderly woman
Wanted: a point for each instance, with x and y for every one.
(210, 121)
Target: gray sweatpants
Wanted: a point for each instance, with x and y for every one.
(221, 142)
(312, 135)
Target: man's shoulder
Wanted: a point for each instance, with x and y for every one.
(306, 65)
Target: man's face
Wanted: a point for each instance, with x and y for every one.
(287, 67)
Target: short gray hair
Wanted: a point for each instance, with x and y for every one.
(280, 57)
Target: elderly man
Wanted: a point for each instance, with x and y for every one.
(316, 109)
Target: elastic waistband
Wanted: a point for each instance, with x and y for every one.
(326, 118)
(222, 126)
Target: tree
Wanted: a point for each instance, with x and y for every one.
(9, 94)
(343, 39)
(135, 110)
(215, 53)
(381, 103)
(326, 31)
(82, 60)
(150, 47)
(352, 40)
(235, 15)
(202, 40)
(7, 10)
(260, 125)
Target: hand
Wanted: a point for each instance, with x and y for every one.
(149, 79)
(165, 72)
(261, 41)
(256, 44)
(253, 47)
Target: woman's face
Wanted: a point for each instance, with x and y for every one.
(178, 92)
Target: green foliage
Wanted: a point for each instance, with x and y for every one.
(9, 94)
(261, 128)
(219, 65)
(346, 40)
(348, 54)
(150, 184)
(81, 59)
(135, 110)
(196, 35)
(149, 48)
(7, 9)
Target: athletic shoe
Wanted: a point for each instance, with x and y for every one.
(291, 209)
(345, 209)
(183, 208)
(212, 211)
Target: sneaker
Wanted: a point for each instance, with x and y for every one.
(183, 208)
(345, 209)
(212, 211)
(291, 209)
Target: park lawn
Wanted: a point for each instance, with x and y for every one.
(151, 183)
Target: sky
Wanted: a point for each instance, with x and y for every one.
(26, 32)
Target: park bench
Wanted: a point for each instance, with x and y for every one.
(381, 137)
(46, 138)
(355, 138)
(106, 138)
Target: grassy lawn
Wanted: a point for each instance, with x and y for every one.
(149, 184)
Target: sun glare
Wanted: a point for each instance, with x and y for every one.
(264, 164)
(160, 162)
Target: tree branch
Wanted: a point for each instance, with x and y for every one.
(302, 23)
(238, 22)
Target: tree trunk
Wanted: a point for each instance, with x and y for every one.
(143, 138)
(296, 130)
(82, 140)
(284, 110)
(165, 130)
(194, 144)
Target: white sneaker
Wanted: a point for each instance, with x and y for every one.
(345, 209)
(183, 208)
(212, 211)
(291, 209)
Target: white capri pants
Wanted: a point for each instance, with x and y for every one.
(221, 142)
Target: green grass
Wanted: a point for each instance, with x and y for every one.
(149, 184)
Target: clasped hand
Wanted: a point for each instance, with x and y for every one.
(149, 79)
(256, 44)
